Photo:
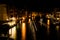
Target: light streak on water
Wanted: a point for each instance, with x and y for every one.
(13, 33)
(32, 29)
(48, 29)
(29, 21)
(48, 22)
(23, 31)
(48, 25)
(35, 26)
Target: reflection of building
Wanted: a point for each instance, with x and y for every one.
(3, 12)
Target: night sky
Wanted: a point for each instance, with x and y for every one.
(37, 5)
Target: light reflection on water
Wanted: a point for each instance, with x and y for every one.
(48, 27)
(12, 33)
(23, 31)
(48, 23)
(32, 29)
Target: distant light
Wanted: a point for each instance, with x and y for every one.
(57, 12)
(23, 18)
(40, 15)
(58, 18)
(48, 27)
(48, 15)
(29, 16)
(57, 28)
(54, 23)
(20, 21)
(13, 18)
(7, 19)
(2, 35)
(48, 22)
(34, 14)
(29, 21)
(11, 23)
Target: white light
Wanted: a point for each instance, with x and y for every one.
(13, 18)
(23, 19)
(57, 18)
(11, 23)
(13, 32)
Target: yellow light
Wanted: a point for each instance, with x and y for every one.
(23, 18)
(57, 18)
(23, 31)
(33, 14)
(48, 22)
(47, 16)
(7, 19)
(29, 21)
(29, 16)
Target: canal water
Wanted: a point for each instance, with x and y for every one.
(28, 31)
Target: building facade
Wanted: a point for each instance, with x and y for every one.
(3, 12)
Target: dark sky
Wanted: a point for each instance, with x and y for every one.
(33, 4)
